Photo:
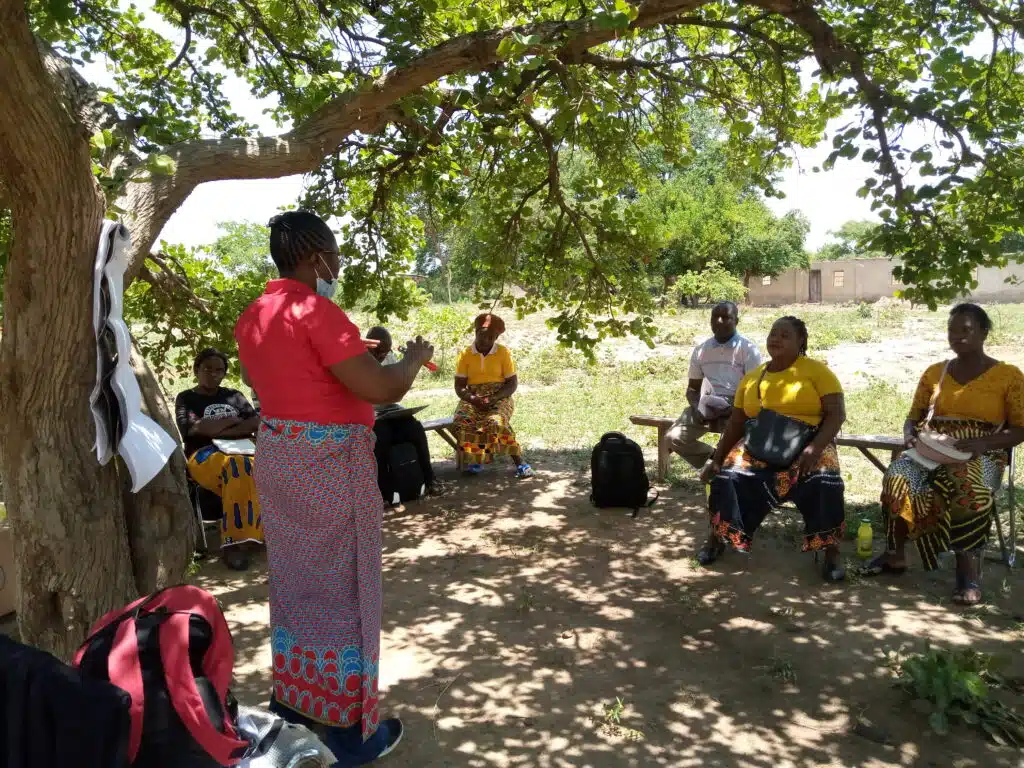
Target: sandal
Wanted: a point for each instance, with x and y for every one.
(711, 551)
(524, 471)
(881, 565)
(963, 586)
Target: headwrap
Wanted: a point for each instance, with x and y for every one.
(487, 320)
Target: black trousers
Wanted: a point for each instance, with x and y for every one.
(395, 432)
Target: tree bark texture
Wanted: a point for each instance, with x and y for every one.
(79, 551)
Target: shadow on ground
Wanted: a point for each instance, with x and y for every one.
(517, 615)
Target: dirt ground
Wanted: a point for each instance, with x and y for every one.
(515, 615)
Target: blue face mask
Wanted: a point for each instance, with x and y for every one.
(326, 288)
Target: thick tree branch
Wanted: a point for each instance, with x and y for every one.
(988, 13)
(366, 110)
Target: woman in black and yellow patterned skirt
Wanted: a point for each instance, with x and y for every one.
(981, 403)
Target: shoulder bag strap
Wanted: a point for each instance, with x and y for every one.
(935, 397)
(764, 372)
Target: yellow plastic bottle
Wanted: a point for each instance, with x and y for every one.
(864, 536)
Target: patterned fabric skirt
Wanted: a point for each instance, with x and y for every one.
(322, 517)
(230, 477)
(745, 491)
(949, 508)
(483, 433)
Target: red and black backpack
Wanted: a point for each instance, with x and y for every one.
(172, 653)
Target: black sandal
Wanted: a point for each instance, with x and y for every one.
(880, 565)
(711, 551)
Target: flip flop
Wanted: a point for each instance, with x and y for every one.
(880, 566)
(960, 596)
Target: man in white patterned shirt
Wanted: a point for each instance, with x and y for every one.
(716, 368)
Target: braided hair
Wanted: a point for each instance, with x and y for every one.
(801, 330)
(295, 234)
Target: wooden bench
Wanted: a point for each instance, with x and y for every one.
(444, 429)
(865, 444)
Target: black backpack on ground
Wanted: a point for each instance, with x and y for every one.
(406, 476)
(618, 477)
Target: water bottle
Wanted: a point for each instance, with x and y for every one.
(864, 535)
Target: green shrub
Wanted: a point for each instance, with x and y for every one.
(892, 316)
(548, 364)
(448, 328)
(713, 283)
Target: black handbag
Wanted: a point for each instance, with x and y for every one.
(774, 438)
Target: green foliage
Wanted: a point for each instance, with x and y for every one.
(957, 685)
(709, 211)
(449, 329)
(851, 241)
(187, 301)
(713, 283)
(244, 248)
(496, 144)
(546, 364)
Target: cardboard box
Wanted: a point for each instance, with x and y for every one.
(6, 570)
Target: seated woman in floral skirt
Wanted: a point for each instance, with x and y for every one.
(744, 489)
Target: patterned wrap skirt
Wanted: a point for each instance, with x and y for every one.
(231, 478)
(322, 520)
(948, 508)
(483, 433)
(746, 490)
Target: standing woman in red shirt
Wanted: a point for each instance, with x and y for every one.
(317, 482)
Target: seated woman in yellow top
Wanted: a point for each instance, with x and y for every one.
(745, 489)
(981, 402)
(485, 380)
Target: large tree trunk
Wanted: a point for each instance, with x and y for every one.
(83, 542)
(78, 552)
(160, 520)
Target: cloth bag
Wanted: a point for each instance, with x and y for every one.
(934, 449)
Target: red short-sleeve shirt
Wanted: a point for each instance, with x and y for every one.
(287, 339)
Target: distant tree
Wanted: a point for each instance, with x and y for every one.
(853, 240)
(244, 248)
(712, 283)
(699, 224)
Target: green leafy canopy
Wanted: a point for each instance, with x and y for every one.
(486, 113)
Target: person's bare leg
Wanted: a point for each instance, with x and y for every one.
(968, 588)
(897, 557)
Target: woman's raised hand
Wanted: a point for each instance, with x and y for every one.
(420, 350)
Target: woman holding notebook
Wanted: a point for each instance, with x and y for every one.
(317, 480)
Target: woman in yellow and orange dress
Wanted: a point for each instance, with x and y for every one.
(485, 380)
(981, 403)
(208, 412)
